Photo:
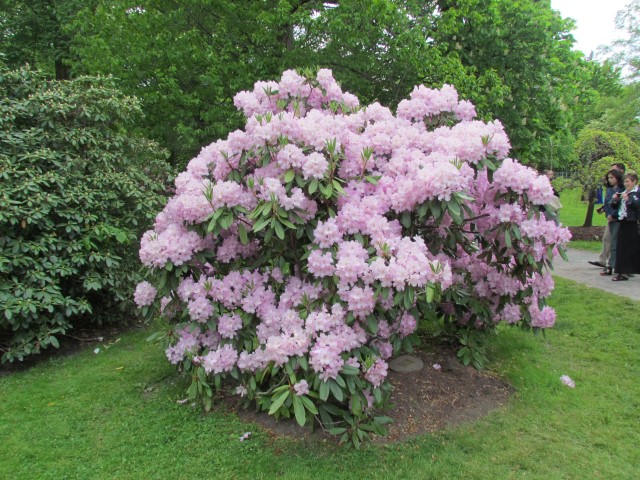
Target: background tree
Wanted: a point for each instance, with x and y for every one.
(526, 49)
(625, 52)
(186, 59)
(596, 151)
(620, 113)
(33, 32)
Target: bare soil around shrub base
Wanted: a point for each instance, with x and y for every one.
(422, 402)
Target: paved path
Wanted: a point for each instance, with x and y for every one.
(579, 270)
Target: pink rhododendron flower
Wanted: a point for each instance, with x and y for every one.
(301, 388)
(145, 294)
(309, 240)
(377, 372)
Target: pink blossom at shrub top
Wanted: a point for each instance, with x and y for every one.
(302, 252)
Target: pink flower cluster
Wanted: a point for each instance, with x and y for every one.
(145, 294)
(407, 180)
(377, 372)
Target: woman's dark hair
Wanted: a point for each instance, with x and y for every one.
(617, 174)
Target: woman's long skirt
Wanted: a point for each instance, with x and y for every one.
(628, 248)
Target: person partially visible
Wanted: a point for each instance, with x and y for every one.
(628, 242)
(606, 238)
(550, 210)
(551, 175)
(614, 181)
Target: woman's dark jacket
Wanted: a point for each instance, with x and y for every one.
(608, 208)
(633, 206)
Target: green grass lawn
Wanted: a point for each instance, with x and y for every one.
(573, 213)
(592, 246)
(114, 415)
(574, 209)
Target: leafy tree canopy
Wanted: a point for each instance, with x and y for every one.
(625, 52)
(186, 59)
(620, 113)
(32, 32)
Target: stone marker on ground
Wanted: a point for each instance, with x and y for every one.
(405, 364)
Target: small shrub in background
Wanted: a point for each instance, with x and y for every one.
(300, 254)
(77, 190)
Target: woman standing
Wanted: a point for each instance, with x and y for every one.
(628, 243)
(614, 182)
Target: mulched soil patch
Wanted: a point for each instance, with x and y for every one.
(421, 402)
(587, 233)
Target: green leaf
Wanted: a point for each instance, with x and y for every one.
(435, 208)
(405, 219)
(356, 404)
(372, 324)
(279, 230)
(278, 402)
(324, 391)
(242, 233)
(507, 238)
(563, 254)
(309, 405)
(336, 390)
(377, 395)
(212, 225)
(260, 224)
(192, 391)
(290, 175)
(299, 411)
(431, 291)
(454, 211)
(382, 420)
(349, 370)
(371, 179)
(302, 361)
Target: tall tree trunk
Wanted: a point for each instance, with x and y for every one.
(63, 71)
(588, 219)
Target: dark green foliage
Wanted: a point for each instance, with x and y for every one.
(32, 32)
(187, 59)
(77, 191)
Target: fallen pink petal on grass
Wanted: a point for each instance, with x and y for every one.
(568, 381)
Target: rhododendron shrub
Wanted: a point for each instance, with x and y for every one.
(299, 255)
